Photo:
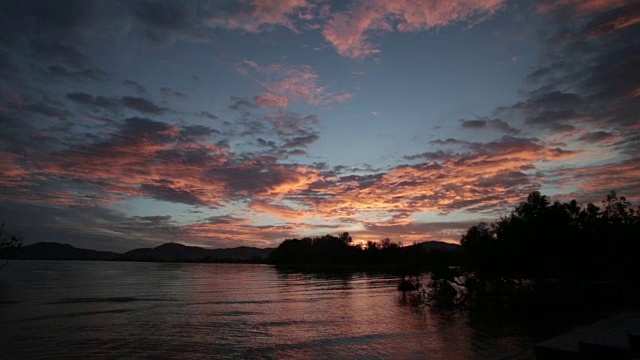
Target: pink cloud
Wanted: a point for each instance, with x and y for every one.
(12, 172)
(349, 31)
(286, 84)
(583, 6)
(272, 101)
(263, 13)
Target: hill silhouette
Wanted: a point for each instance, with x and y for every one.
(57, 251)
(169, 252)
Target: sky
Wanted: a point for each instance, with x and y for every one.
(127, 124)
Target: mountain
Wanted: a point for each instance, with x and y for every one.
(174, 252)
(179, 252)
(167, 252)
(439, 246)
(171, 252)
(57, 251)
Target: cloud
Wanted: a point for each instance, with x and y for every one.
(139, 89)
(173, 93)
(302, 141)
(65, 19)
(257, 15)
(286, 84)
(272, 101)
(56, 51)
(264, 206)
(349, 31)
(8, 67)
(489, 124)
(594, 182)
(171, 194)
(60, 73)
(142, 105)
(240, 104)
(287, 124)
(483, 177)
(572, 95)
(583, 6)
(597, 136)
(114, 104)
(167, 21)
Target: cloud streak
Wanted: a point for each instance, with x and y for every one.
(349, 31)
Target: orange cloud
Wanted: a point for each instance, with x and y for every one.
(620, 176)
(349, 31)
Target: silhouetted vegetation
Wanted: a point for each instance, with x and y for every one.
(546, 258)
(330, 253)
(10, 244)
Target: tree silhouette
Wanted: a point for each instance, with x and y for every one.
(540, 240)
(10, 244)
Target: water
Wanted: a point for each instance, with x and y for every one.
(56, 309)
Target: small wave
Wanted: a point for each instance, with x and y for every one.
(116, 299)
(70, 315)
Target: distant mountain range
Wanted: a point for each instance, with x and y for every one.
(169, 252)
(174, 252)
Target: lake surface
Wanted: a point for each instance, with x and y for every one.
(58, 309)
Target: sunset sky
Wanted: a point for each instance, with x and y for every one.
(128, 124)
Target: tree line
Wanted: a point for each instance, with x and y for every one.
(546, 251)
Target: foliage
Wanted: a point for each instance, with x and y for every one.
(545, 253)
(542, 240)
(10, 244)
(540, 243)
(339, 250)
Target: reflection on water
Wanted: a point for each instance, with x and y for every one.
(161, 310)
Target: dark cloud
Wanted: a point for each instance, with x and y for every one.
(8, 67)
(489, 124)
(59, 52)
(102, 102)
(139, 89)
(302, 141)
(267, 143)
(597, 136)
(288, 123)
(57, 111)
(430, 155)
(170, 194)
(590, 78)
(60, 73)
(149, 129)
(173, 93)
(205, 114)
(43, 19)
(114, 104)
(86, 227)
(263, 174)
(165, 21)
(158, 219)
(142, 105)
(197, 132)
(242, 105)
